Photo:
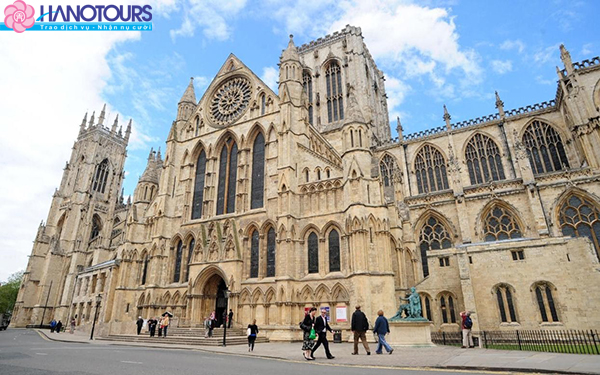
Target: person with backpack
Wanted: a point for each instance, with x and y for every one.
(467, 325)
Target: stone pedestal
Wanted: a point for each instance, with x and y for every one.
(406, 333)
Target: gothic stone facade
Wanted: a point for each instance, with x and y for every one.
(301, 198)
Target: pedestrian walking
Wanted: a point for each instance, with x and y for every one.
(72, 329)
(52, 325)
(230, 318)
(160, 327)
(213, 318)
(307, 326)
(359, 326)
(252, 333)
(207, 327)
(139, 322)
(165, 323)
(382, 328)
(58, 326)
(321, 328)
(466, 325)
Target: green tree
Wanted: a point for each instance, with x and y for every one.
(9, 291)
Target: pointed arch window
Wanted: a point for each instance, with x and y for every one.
(313, 253)
(258, 172)
(433, 236)
(483, 160)
(190, 258)
(271, 252)
(178, 254)
(500, 224)
(506, 305)
(545, 301)
(388, 169)
(545, 148)
(100, 176)
(335, 97)
(580, 217)
(254, 253)
(227, 177)
(199, 186)
(334, 251)
(447, 308)
(144, 270)
(430, 168)
(96, 228)
(263, 104)
(308, 88)
(426, 303)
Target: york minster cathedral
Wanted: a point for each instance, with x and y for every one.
(268, 203)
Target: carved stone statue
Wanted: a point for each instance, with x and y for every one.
(412, 309)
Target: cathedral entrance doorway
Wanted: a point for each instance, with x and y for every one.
(214, 298)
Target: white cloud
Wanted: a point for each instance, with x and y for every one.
(501, 67)
(508, 45)
(546, 55)
(587, 49)
(212, 16)
(270, 76)
(49, 80)
(396, 90)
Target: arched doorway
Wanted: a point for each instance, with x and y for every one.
(214, 298)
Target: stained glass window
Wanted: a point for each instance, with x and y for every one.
(430, 168)
(483, 160)
(545, 148)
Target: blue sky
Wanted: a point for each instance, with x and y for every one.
(432, 53)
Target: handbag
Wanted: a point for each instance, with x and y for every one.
(313, 334)
(248, 331)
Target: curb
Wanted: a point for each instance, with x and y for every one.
(44, 335)
(267, 357)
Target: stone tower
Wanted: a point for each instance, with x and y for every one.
(78, 228)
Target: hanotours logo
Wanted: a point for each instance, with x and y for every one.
(19, 17)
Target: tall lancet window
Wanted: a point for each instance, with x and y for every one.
(313, 253)
(258, 172)
(430, 168)
(100, 177)
(254, 253)
(308, 88)
(227, 177)
(334, 251)
(178, 253)
(545, 148)
(271, 252)
(190, 258)
(199, 186)
(335, 96)
(483, 160)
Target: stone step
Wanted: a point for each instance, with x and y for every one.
(198, 332)
(212, 341)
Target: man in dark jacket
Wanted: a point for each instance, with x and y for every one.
(321, 328)
(139, 323)
(359, 326)
(382, 328)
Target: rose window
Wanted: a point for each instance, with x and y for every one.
(230, 101)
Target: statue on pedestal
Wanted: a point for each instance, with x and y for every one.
(412, 309)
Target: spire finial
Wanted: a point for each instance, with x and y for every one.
(447, 118)
(101, 118)
(499, 105)
(114, 127)
(565, 56)
(91, 123)
(399, 128)
(128, 131)
(82, 126)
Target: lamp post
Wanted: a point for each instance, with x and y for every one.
(226, 293)
(98, 300)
